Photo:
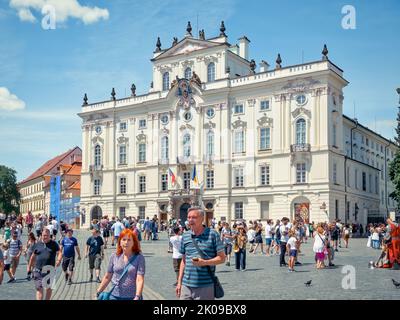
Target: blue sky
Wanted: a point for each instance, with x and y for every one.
(102, 44)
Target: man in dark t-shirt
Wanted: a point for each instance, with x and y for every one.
(68, 246)
(95, 253)
(44, 254)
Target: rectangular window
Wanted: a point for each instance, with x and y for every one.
(142, 152)
(367, 141)
(265, 138)
(122, 126)
(334, 135)
(97, 187)
(348, 176)
(122, 154)
(356, 178)
(210, 179)
(238, 210)
(122, 212)
(301, 173)
(364, 181)
(335, 173)
(370, 183)
(264, 175)
(347, 210)
(264, 210)
(382, 171)
(336, 209)
(142, 184)
(376, 185)
(186, 180)
(238, 177)
(122, 185)
(142, 123)
(239, 141)
(264, 105)
(382, 198)
(142, 212)
(164, 182)
(239, 108)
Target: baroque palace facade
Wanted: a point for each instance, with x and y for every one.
(264, 143)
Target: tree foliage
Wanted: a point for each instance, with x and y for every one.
(9, 194)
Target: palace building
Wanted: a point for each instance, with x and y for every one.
(264, 143)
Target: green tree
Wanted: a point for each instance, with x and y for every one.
(394, 166)
(9, 194)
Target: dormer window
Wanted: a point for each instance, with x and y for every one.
(165, 83)
(211, 72)
(188, 73)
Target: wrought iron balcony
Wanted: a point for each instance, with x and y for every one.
(300, 147)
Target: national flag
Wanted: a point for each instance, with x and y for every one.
(194, 176)
(171, 174)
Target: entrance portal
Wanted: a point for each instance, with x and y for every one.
(183, 212)
(97, 213)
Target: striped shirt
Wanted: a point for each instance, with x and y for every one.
(15, 247)
(210, 243)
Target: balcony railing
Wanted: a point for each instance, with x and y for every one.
(93, 168)
(300, 147)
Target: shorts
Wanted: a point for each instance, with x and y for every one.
(251, 241)
(293, 253)
(268, 241)
(68, 263)
(278, 242)
(106, 233)
(95, 262)
(38, 279)
(177, 264)
(228, 249)
(320, 256)
(335, 238)
(7, 267)
(258, 240)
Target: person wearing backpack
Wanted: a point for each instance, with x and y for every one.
(15, 251)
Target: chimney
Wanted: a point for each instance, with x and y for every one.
(264, 66)
(244, 47)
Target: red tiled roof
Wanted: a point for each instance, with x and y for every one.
(47, 166)
(75, 169)
(76, 185)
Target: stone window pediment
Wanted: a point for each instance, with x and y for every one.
(301, 111)
(239, 124)
(265, 121)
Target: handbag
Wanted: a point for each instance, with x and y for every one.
(218, 290)
(106, 295)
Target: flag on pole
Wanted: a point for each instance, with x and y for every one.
(194, 176)
(171, 174)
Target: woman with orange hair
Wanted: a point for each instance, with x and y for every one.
(126, 269)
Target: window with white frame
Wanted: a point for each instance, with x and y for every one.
(165, 82)
(210, 179)
(335, 173)
(122, 212)
(211, 72)
(265, 138)
(300, 173)
(186, 180)
(96, 184)
(164, 148)
(164, 182)
(186, 145)
(264, 175)
(142, 152)
(188, 73)
(142, 184)
(122, 154)
(238, 210)
(264, 210)
(97, 155)
(264, 105)
(142, 212)
(238, 109)
(142, 123)
(239, 179)
(122, 185)
(301, 131)
(123, 126)
(210, 143)
(239, 141)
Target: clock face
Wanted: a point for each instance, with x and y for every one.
(164, 119)
(301, 99)
(210, 112)
(187, 116)
(98, 129)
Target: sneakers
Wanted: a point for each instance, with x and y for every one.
(331, 265)
(336, 250)
(66, 277)
(91, 278)
(228, 264)
(11, 280)
(297, 263)
(98, 280)
(69, 282)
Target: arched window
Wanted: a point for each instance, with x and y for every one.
(300, 131)
(97, 155)
(186, 145)
(164, 148)
(165, 81)
(211, 72)
(210, 143)
(188, 73)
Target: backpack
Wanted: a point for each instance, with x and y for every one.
(278, 235)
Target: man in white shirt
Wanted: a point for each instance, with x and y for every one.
(284, 231)
(176, 242)
(268, 237)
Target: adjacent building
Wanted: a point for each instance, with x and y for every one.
(265, 143)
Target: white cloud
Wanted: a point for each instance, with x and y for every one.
(9, 101)
(64, 10)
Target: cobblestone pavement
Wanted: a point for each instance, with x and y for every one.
(263, 279)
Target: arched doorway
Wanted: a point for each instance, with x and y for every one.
(183, 212)
(96, 213)
(301, 209)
